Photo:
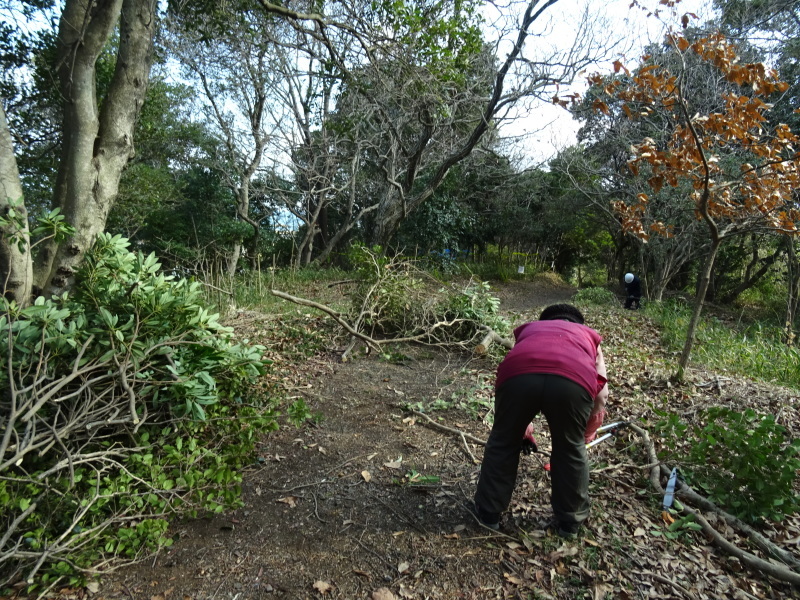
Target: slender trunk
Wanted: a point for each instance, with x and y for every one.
(702, 287)
(793, 292)
(16, 270)
(308, 252)
(232, 260)
(243, 213)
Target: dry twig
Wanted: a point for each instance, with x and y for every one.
(441, 427)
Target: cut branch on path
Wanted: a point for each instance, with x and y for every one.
(780, 572)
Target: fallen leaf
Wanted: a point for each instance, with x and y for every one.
(362, 573)
(528, 543)
(514, 545)
(367, 477)
(639, 532)
(321, 449)
(601, 590)
(451, 536)
(402, 567)
(92, 587)
(512, 579)
(323, 587)
(565, 550)
(405, 592)
(290, 500)
(382, 594)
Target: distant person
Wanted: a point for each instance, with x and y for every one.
(556, 367)
(633, 291)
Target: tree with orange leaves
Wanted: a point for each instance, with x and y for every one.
(758, 194)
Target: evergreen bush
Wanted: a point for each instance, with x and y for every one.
(125, 403)
(740, 460)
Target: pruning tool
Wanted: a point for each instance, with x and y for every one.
(529, 445)
(607, 431)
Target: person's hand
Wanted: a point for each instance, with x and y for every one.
(528, 441)
(595, 421)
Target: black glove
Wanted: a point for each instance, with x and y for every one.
(529, 447)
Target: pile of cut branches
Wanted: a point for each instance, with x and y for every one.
(394, 301)
(120, 407)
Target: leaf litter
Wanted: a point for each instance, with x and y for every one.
(346, 524)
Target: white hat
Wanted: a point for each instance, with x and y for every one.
(628, 277)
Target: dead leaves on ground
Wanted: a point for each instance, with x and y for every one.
(626, 551)
(623, 555)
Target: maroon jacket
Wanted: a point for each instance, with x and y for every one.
(555, 347)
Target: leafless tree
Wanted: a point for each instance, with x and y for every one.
(405, 116)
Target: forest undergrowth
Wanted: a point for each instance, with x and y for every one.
(360, 490)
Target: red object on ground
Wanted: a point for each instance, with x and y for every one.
(546, 466)
(528, 435)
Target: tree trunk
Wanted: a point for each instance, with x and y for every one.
(396, 206)
(16, 271)
(232, 260)
(793, 291)
(752, 278)
(97, 141)
(243, 213)
(702, 287)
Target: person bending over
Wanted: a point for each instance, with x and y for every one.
(633, 291)
(556, 367)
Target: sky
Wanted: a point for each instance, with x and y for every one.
(544, 129)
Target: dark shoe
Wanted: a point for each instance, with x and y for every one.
(566, 534)
(566, 531)
(489, 520)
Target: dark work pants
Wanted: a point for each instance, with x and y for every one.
(566, 406)
(630, 301)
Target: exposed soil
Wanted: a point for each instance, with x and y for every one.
(372, 497)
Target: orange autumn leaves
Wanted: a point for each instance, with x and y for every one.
(698, 145)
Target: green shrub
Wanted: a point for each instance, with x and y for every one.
(595, 295)
(126, 404)
(741, 460)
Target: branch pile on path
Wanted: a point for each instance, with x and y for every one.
(395, 302)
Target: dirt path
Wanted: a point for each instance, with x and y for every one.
(369, 504)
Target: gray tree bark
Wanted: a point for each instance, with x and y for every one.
(98, 140)
(16, 272)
